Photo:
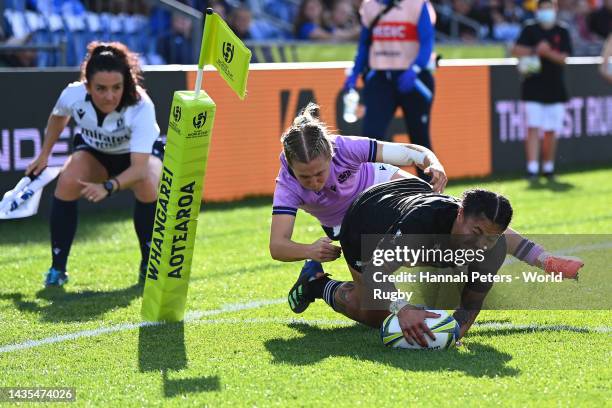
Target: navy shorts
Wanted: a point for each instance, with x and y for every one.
(114, 164)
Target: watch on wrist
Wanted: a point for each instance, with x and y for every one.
(109, 187)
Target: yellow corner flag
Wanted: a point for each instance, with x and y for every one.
(184, 168)
(224, 50)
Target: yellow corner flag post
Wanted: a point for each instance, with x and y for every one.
(182, 180)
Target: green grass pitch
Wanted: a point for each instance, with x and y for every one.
(242, 346)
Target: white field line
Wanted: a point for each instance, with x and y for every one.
(190, 316)
(196, 317)
(541, 328)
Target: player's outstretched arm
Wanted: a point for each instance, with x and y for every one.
(407, 154)
(467, 312)
(535, 254)
(283, 248)
(55, 126)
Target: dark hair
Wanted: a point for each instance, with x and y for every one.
(307, 138)
(477, 202)
(114, 57)
(540, 2)
(301, 19)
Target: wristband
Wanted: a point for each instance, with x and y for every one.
(397, 305)
(528, 251)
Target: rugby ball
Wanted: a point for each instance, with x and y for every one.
(445, 328)
(529, 65)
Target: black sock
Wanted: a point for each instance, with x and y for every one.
(329, 291)
(324, 288)
(144, 215)
(63, 224)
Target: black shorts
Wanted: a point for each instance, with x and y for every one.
(375, 212)
(114, 164)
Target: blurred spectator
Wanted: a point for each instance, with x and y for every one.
(343, 18)
(240, 22)
(506, 18)
(309, 24)
(175, 46)
(601, 19)
(219, 7)
(578, 20)
(466, 9)
(19, 58)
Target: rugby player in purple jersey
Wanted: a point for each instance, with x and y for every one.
(323, 174)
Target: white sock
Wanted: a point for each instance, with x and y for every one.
(548, 166)
(533, 167)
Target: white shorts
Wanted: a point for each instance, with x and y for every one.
(545, 116)
(383, 172)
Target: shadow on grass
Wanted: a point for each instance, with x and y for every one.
(36, 229)
(556, 186)
(74, 306)
(316, 344)
(162, 348)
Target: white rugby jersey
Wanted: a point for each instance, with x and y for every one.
(133, 129)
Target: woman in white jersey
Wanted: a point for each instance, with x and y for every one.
(323, 174)
(116, 148)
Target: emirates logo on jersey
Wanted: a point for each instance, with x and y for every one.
(395, 31)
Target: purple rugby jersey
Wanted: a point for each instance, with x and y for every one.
(350, 174)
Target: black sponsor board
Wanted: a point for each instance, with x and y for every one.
(586, 136)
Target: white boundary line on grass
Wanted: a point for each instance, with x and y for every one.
(190, 316)
(196, 317)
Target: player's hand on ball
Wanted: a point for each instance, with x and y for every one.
(568, 266)
(412, 323)
(438, 177)
(322, 250)
(37, 165)
(94, 192)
